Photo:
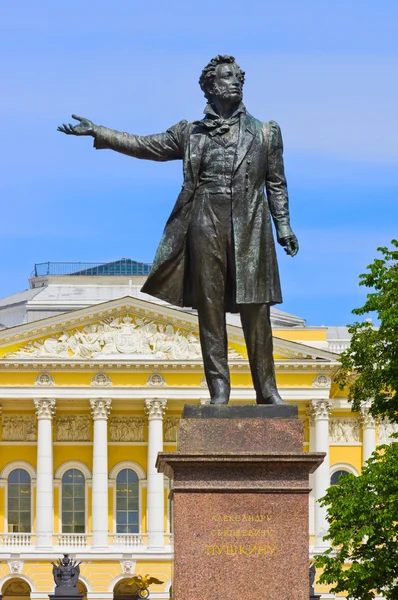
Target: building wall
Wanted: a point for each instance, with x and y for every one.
(302, 379)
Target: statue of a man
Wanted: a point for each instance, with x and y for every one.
(217, 253)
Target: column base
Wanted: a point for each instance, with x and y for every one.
(156, 541)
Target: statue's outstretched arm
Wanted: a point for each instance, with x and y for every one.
(160, 147)
(85, 127)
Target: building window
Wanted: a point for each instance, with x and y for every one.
(19, 501)
(336, 476)
(73, 502)
(127, 503)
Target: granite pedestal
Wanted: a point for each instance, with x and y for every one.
(240, 491)
(66, 593)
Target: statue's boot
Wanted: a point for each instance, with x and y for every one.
(220, 390)
(273, 399)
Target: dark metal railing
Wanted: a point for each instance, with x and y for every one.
(124, 266)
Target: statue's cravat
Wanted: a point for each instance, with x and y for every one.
(216, 125)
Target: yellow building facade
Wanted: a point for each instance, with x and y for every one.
(91, 389)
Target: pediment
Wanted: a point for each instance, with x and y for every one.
(129, 329)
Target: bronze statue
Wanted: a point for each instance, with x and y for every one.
(217, 253)
(66, 575)
(312, 574)
(141, 583)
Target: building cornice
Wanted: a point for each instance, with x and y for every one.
(194, 393)
(120, 364)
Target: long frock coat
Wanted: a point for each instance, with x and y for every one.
(258, 164)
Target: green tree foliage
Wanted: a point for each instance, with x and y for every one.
(363, 511)
(370, 365)
(363, 530)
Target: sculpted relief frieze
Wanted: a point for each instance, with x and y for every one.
(18, 428)
(344, 430)
(386, 431)
(127, 429)
(73, 428)
(124, 336)
(170, 428)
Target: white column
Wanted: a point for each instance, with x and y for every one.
(320, 411)
(155, 409)
(311, 500)
(100, 409)
(45, 409)
(368, 433)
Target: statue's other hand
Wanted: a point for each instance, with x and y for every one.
(85, 127)
(290, 244)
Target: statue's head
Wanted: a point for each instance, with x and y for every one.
(222, 78)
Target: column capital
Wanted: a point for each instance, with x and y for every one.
(367, 419)
(100, 408)
(45, 408)
(320, 409)
(309, 413)
(155, 408)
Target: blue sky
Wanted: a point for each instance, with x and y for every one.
(326, 71)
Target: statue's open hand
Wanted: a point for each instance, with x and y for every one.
(290, 245)
(85, 127)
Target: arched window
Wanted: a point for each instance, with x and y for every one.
(19, 501)
(73, 502)
(336, 476)
(127, 503)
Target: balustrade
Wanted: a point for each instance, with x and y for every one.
(16, 540)
(72, 540)
(128, 540)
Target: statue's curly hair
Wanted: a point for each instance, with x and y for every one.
(209, 72)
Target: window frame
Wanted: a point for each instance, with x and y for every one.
(341, 467)
(60, 472)
(73, 512)
(139, 471)
(8, 469)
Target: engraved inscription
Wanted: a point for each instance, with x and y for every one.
(242, 518)
(237, 526)
(240, 532)
(232, 550)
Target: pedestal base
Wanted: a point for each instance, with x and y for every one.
(240, 490)
(66, 596)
